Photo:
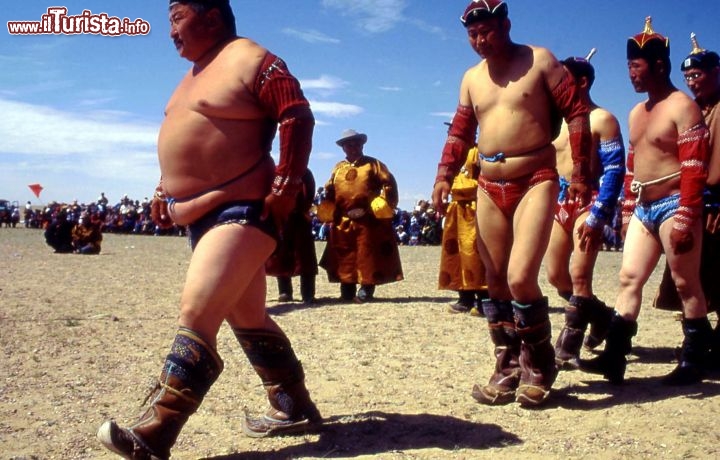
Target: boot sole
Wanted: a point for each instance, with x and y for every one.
(263, 427)
(531, 395)
(499, 399)
(105, 436)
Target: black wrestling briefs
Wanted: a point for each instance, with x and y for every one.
(233, 212)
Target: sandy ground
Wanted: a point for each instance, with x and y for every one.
(82, 336)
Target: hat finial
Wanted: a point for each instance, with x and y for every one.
(695, 45)
(648, 26)
(591, 54)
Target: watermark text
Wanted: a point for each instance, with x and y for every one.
(58, 22)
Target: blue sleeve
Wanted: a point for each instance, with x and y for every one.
(612, 157)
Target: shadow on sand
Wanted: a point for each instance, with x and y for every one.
(375, 433)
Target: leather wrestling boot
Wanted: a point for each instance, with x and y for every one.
(612, 361)
(504, 381)
(189, 371)
(285, 288)
(694, 353)
(347, 291)
(537, 355)
(291, 409)
(569, 342)
(599, 316)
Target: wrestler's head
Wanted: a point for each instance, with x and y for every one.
(482, 10)
(580, 67)
(700, 58)
(701, 69)
(203, 6)
(651, 46)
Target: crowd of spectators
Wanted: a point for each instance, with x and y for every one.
(421, 226)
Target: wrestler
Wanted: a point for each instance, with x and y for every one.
(666, 173)
(701, 69)
(577, 231)
(513, 95)
(214, 155)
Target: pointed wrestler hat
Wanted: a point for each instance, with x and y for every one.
(648, 44)
(581, 67)
(700, 58)
(480, 10)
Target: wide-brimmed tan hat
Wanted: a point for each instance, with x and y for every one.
(350, 134)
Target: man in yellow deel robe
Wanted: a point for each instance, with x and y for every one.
(362, 246)
(460, 266)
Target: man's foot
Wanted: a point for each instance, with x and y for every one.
(684, 374)
(531, 395)
(493, 395)
(124, 443)
(458, 307)
(266, 426)
(285, 297)
(611, 369)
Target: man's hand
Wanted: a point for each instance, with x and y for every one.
(278, 208)
(440, 194)
(590, 238)
(681, 242)
(580, 193)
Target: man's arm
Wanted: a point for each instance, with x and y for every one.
(279, 93)
(611, 152)
(575, 111)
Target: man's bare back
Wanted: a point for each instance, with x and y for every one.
(215, 131)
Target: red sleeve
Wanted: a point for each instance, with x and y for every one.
(575, 111)
(630, 198)
(280, 95)
(461, 137)
(693, 153)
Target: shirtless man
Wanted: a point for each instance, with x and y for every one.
(666, 173)
(701, 69)
(513, 96)
(577, 232)
(219, 179)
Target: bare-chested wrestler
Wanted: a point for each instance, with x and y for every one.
(701, 69)
(513, 95)
(220, 181)
(577, 231)
(664, 183)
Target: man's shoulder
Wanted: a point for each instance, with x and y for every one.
(245, 50)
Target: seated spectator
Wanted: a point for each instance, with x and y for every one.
(86, 235)
(58, 234)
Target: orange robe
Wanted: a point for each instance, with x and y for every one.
(361, 248)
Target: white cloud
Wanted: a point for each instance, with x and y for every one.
(325, 83)
(335, 109)
(392, 89)
(310, 36)
(374, 15)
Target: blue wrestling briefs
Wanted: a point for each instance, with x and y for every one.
(656, 212)
(233, 212)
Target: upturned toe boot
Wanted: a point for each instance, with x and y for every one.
(501, 387)
(570, 340)
(537, 355)
(189, 371)
(291, 409)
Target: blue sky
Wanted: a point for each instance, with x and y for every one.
(80, 113)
